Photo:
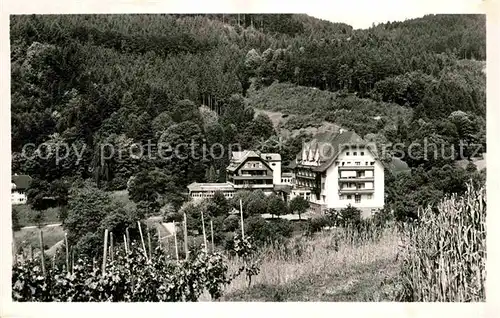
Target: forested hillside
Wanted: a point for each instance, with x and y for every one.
(90, 80)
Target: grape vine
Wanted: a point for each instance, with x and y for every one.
(130, 277)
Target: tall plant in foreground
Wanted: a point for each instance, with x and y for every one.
(445, 254)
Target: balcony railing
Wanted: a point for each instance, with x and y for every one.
(351, 167)
(357, 179)
(356, 191)
(305, 176)
(254, 177)
(257, 186)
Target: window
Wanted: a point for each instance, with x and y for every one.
(357, 198)
(369, 197)
(366, 163)
(358, 163)
(362, 153)
(355, 153)
(348, 197)
(323, 185)
(372, 163)
(347, 153)
(343, 163)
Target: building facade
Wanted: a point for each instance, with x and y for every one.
(19, 185)
(200, 191)
(336, 170)
(251, 170)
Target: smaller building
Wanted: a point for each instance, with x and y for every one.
(199, 191)
(254, 171)
(287, 178)
(19, 185)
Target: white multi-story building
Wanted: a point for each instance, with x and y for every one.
(337, 170)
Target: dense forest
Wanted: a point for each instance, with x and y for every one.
(91, 80)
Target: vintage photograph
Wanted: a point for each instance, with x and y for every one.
(247, 157)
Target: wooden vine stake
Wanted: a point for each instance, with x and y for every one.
(185, 236)
(72, 260)
(105, 256)
(175, 242)
(125, 243)
(204, 234)
(128, 239)
(159, 237)
(42, 255)
(142, 240)
(111, 245)
(149, 243)
(67, 251)
(212, 234)
(242, 226)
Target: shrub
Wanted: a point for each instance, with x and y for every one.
(89, 245)
(173, 217)
(315, 224)
(273, 231)
(344, 217)
(276, 206)
(231, 223)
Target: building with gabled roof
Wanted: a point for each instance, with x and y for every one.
(335, 170)
(247, 169)
(19, 185)
(253, 170)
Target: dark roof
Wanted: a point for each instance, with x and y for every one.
(283, 188)
(397, 165)
(241, 157)
(330, 146)
(21, 181)
(195, 186)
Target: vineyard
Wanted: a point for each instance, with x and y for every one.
(132, 274)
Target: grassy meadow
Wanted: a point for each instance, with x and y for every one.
(25, 214)
(326, 267)
(26, 237)
(441, 257)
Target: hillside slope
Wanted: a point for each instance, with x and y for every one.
(304, 107)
